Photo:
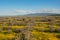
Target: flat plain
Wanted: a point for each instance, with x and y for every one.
(30, 28)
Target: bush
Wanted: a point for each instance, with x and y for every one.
(58, 36)
(57, 30)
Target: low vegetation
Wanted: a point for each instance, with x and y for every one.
(30, 28)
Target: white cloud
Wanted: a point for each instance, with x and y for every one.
(46, 10)
(22, 12)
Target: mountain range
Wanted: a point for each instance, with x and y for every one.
(43, 14)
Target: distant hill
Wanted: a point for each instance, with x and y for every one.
(43, 14)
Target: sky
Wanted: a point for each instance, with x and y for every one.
(21, 7)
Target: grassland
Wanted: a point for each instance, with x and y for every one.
(30, 28)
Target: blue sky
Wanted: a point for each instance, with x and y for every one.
(20, 7)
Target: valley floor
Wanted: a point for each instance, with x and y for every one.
(30, 28)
